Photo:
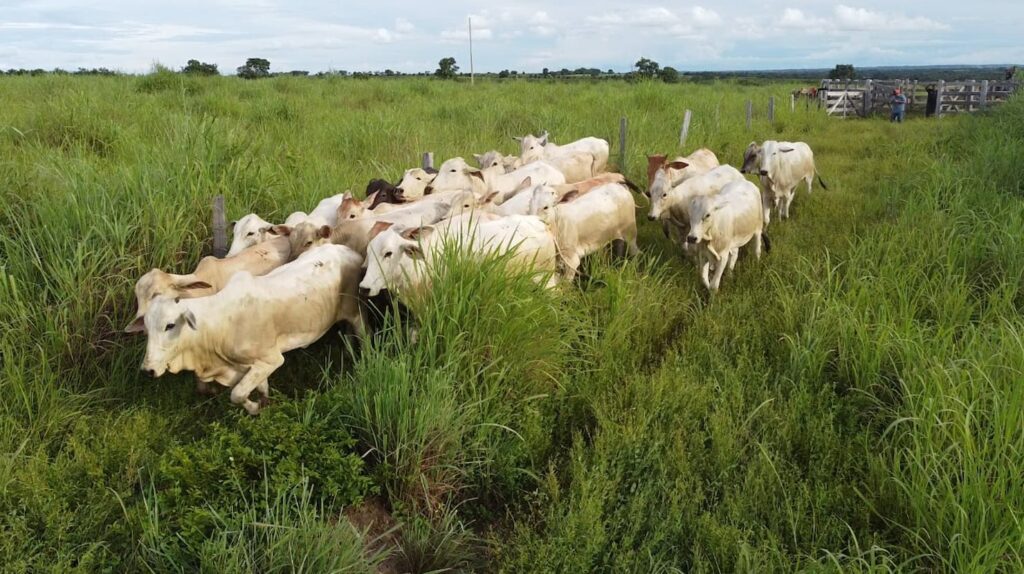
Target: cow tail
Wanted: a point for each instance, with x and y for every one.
(821, 181)
(632, 186)
(766, 241)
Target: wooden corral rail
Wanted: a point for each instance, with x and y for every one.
(862, 98)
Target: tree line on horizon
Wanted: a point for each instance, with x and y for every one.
(644, 69)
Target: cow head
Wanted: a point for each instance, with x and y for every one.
(456, 175)
(702, 209)
(156, 284)
(752, 159)
(383, 192)
(246, 232)
(415, 182)
(306, 235)
(393, 258)
(531, 147)
(168, 321)
(546, 199)
(653, 163)
(664, 181)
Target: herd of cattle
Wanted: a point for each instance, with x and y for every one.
(282, 287)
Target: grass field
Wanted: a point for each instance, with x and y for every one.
(852, 402)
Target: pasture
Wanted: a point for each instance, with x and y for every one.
(850, 402)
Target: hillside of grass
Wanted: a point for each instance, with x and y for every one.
(850, 402)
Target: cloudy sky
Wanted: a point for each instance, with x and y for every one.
(131, 35)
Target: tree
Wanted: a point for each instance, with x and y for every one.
(446, 68)
(254, 68)
(503, 74)
(669, 75)
(200, 68)
(545, 72)
(647, 68)
(842, 72)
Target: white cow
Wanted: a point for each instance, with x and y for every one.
(494, 158)
(210, 276)
(781, 167)
(456, 174)
(355, 234)
(400, 259)
(246, 232)
(584, 224)
(722, 223)
(699, 162)
(415, 182)
(672, 204)
(252, 229)
(238, 336)
(533, 148)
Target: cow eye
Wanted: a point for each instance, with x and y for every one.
(169, 327)
(308, 243)
(706, 215)
(386, 255)
(250, 234)
(453, 171)
(155, 295)
(419, 178)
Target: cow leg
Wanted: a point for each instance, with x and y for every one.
(719, 270)
(618, 248)
(734, 254)
(571, 264)
(810, 182)
(704, 269)
(757, 244)
(256, 378)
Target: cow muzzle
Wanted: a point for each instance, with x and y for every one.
(763, 172)
(692, 239)
(428, 190)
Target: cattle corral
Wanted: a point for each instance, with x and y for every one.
(863, 98)
(849, 402)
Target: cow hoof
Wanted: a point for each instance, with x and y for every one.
(264, 402)
(251, 408)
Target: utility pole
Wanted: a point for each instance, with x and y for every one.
(472, 73)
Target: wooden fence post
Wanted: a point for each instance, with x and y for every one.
(866, 101)
(938, 98)
(792, 102)
(846, 97)
(220, 235)
(983, 96)
(750, 112)
(622, 144)
(685, 130)
(428, 160)
(771, 109)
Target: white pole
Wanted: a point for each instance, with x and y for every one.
(472, 74)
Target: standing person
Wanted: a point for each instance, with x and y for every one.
(899, 106)
(933, 101)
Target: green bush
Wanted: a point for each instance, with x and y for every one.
(243, 464)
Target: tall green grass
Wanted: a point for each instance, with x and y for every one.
(850, 402)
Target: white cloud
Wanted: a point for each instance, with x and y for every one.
(645, 17)
(705, 16)
(862, 19)
(404, 26)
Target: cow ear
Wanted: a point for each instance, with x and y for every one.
(190, 319)
(324, 232)
(543, 139)
(489, 197)
(479, 158)
(197, 285)
(282, 230)
(430, 171)
(786, 149)
(571, 195)
(378, 228)
(475, 173)
(526, 183)
(677, 165)
(418, 233)
(413, 250)
(136, 326)
(518, 139)
(232, 223)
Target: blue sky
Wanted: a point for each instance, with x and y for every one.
(412, 36)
